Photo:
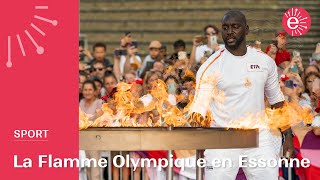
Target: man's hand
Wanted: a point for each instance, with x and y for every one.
(288, 148)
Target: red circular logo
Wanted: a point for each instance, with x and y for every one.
(296, 21)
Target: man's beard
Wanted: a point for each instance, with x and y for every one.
(237, 44)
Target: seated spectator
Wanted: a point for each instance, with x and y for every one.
(154, 55)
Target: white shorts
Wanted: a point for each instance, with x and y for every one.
(269, 148)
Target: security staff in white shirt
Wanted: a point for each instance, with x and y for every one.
(244, 75)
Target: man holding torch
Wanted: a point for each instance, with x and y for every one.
(232, 84)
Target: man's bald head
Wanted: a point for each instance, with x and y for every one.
(237, 15)
(234, 30)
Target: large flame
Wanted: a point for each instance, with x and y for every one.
(84, 122)
(154, 110)
(151, 110)
(291, 114)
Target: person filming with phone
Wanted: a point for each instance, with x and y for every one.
(204, 46)
(126, 57)
(295, 65)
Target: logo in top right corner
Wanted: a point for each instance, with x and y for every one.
(296, 21)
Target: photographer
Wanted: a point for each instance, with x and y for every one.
(125, 62)
(291, 87)
(204, 46)
(295, 64)
(125, 57)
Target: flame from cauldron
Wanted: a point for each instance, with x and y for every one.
(130, 111)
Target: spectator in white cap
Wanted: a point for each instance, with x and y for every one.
(154, 53)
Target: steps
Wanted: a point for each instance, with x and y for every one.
(169, 20)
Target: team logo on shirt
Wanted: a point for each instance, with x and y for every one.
(254, 67)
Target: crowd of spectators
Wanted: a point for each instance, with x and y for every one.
(98, 76)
